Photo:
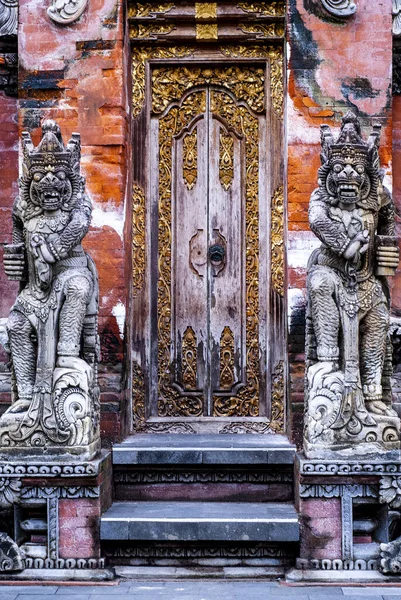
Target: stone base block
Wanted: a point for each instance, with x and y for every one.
(59, 575)
(52, 453)
(380, 440)
(337, 577)
(168, 573)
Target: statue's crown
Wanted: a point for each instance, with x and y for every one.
(51, 152)
(349, 143)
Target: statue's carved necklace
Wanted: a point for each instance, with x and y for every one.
(54, 223)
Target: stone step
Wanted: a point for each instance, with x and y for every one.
(200, 521)
(181, 449)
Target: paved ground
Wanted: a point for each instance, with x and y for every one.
(197, 590)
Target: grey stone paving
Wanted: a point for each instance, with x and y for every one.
(197, 590)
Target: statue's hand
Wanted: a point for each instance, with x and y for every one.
(359, 243)
(388, 257)
(14, 261)
(41, 249)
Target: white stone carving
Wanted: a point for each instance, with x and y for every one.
(348, 390)
(8, 17)
(65, 12)
(53, 324)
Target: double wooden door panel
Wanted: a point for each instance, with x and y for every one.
(205, 344)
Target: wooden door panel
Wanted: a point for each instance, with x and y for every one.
(189, 257)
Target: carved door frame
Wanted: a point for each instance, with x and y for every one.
(215, 57)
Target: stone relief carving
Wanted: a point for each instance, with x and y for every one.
(390, 557)
(348, 352)
(52, 326)
(65, 12)
(339, 8)
(397, 18)
(8, 17)
(10, 555)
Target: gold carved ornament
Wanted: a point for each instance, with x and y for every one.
(246, 83)
(139, 57)
(207, 31)
(277, 241)
(150, 30)
(263, 29)
(148, 9)
(138, 239)
(276, 57)
(239, 118)
(205, 10)
(227, 378)
(138, 395)
(226, 159)
(189, 359)
(171, 403)
(277, 408)
(190, 159)
(270, 9)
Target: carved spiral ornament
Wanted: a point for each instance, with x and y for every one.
(340, 8)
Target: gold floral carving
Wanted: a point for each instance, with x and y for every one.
(226, 159)
(277, 241)
(227, 359)
(271, 9)
(139, 9)
(190, 159)
(189, 358)
(138, 239)
(150, 30)
(205, 10)
(246, 83)
(138, 395)
(246, 402)
(277, 410)
(207, 31)
(139, 58)
(275, 55)
(171, 402)
(263, 29)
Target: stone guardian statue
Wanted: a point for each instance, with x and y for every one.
(348, 350)
(52, 326)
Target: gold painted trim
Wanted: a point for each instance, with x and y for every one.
(227, 351)
(148, 9)
(205, 10)
(138, 239)
(139, 57)
(278, 399)
(276, 56)
(138, 395)
(206, 31)
(271, 9)
(150, 30)
(190, 159)
(189, 359)
(226, 159)
(170, 84)
(277, 241)
(263, 29)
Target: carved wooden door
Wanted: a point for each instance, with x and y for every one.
(208, 362)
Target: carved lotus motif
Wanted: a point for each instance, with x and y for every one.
(390, 491)
(9, 490)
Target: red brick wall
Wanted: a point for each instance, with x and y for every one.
(333, 66)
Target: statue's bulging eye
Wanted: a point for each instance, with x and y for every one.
(61, 175)
(360, 169)
(37, 176)
(337, 168)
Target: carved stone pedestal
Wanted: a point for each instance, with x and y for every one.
(378, 440)
(349, 516)
(51, 514)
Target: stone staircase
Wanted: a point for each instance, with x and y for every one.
(185, 501)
